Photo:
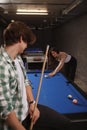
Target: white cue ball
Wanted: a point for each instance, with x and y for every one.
(45, 76)
(70, 96)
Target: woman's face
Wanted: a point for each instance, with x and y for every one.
(54, 54)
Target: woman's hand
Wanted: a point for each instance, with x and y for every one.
(51, 74)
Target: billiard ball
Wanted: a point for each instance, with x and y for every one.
(75, 101)
(70, 96)
(46, 76)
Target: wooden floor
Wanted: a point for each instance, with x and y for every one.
(81, 84)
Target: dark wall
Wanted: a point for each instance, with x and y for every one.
(44, 38)
(72, 38)
(1, 35)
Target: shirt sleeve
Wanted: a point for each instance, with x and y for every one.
(5, 96)
(26, 80)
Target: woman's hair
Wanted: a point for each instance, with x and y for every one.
(52, 62)
(54, 49)
(15, 30)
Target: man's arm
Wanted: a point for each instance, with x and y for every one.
(30, 98)
(13, 122)
(7, 112)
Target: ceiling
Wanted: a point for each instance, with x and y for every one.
(59, 11)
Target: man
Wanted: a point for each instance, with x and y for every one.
(16, 98)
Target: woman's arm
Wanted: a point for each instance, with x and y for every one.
(57, 69)
(60, 65)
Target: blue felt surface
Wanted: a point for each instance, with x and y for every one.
(54, 92)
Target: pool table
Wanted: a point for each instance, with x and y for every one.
(54, 93)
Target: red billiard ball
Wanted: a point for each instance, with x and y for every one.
(75, 101)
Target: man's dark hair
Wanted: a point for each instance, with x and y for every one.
(15, 30)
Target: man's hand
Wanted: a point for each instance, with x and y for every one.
(36, 113)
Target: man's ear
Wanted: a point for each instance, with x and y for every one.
(20, 39)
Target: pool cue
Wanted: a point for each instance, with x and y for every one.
(39, 86)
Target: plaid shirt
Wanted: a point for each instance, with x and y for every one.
(10, 93)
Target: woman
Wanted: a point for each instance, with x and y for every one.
(65, 61)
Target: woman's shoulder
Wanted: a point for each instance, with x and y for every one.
(63, 54)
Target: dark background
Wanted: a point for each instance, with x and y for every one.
(66, 32)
